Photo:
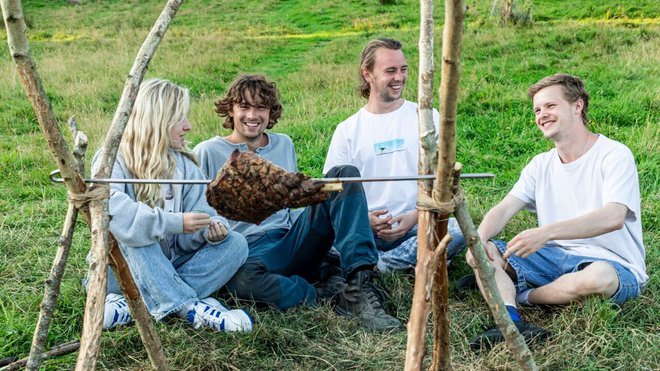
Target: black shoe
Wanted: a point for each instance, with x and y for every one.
(331, 287)
(467, 283)
(363, 299)
(532, 334)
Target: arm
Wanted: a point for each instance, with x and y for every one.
(194, 202)
(608, 218)
(134, 223)
(496, 218)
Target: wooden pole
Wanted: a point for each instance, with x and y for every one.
(138, 310)
(12, 13)
(52, 286)
(514, 340)
(446, 177)
(426, 238)
(58, 350)
(96, 286)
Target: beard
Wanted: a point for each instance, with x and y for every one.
(385, 96)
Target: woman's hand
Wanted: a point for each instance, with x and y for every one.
(195, 221)
(217, 231)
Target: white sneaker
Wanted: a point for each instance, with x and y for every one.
(214, 302)
(210, 313)
(116, 312)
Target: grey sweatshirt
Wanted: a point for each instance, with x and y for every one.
(213, 153)
(136, 224)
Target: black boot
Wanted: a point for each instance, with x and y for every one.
(330, 287)
(532, 334)
(363, 299)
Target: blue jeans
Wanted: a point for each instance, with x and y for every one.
(168, 285)
(401, 254)
(282, 262)
(551, 262)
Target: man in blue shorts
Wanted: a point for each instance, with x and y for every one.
(585, 192)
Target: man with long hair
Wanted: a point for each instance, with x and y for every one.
(382, 139)
(288, 248)
(178, 249)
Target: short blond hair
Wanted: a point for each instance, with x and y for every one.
(570, 85)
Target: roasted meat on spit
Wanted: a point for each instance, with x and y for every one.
(250, 188)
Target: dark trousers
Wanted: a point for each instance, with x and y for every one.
(282, 263)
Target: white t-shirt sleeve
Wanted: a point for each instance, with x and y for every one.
(525, 187)
(338, 152)
(620, 181)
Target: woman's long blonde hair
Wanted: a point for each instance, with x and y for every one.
(146, 145)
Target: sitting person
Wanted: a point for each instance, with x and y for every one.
(177, 248)
(585, 192)
(382, 139)
(288, 248)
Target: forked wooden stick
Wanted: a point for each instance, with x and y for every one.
(52, 286)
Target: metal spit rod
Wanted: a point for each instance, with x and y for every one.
(55, 173)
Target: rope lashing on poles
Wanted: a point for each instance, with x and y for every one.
(424, 202)
(95, 193)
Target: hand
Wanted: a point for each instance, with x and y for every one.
(378, 220)
(195, 221)
(490, 249)
(217, 231)
(526, 243)
(401, 223)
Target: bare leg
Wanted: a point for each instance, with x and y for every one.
(598, 278)
(502, 278)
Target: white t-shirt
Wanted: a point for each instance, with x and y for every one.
(381, 145)
(558, 192)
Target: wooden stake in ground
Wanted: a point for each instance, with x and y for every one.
(96, 286)
(427, 239)
(52, 289)
(514, 340)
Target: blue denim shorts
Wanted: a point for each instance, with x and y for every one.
(549, 263)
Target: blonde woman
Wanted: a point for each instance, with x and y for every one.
(178, 249)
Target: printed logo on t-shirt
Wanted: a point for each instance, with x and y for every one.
(390, 146)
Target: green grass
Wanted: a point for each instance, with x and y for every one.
(310, 48)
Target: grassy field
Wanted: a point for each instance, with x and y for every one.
(310, 48)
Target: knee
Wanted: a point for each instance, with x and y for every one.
(343, 171)
(238, 245)
(247, 278)
(600, 279)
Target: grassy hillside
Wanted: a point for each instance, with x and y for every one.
(310, 48)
